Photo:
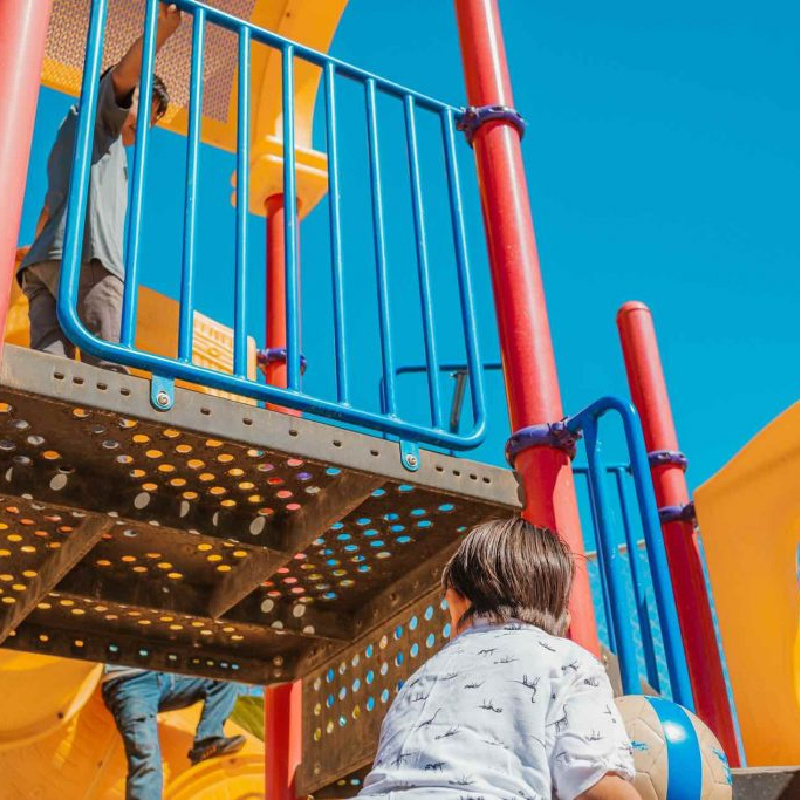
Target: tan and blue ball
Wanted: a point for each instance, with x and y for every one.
(651, 755)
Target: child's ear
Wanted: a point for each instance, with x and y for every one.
(457, 605)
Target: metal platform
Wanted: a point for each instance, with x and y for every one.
(766, 783)
(215, 538)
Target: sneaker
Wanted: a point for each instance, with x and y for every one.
(215, 747)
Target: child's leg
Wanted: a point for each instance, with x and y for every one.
(40, 286)
(100, 307)
(133, 701)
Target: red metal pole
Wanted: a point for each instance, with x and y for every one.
(649, 393)
(276, 372)
(283, 712)
(525, 343)
(23, 36)
(282, 704)
(276, 287)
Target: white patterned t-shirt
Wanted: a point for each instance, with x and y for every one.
(502, 712)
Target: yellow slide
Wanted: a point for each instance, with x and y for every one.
(58, 741)
(749, 515)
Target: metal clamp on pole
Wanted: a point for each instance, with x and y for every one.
(475, 116)
(276, 355)
(685, 513)
(675, 458)
(553, 434)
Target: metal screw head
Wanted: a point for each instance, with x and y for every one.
(162, 398)
(411, 460)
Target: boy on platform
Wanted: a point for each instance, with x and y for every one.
(99, 301)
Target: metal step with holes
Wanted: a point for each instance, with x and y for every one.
(214, 538)
(766, 783)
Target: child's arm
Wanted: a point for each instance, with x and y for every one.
(125, 75)
(610, 787)
(591, 755)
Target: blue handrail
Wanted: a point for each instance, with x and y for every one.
(237, 383)
(432, 361)
(185, 323)
(587, 422)
(639, 585)
(335, 213)
(242, 203)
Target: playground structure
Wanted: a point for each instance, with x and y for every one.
(301, 553)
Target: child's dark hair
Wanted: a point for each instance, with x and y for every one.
(510, 569)
(160, 95)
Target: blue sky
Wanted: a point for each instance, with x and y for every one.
(662, 164)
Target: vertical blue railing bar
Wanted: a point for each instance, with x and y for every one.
(657, 557)
(651, 529)
(638, 579)
(335, 215)
(462, 265)
(290, 222)
(602, 568)
(426, 302)
(128, 328)
(615, 581)
(196, 85)
(242, 207)
(380, 251)
(67, 309)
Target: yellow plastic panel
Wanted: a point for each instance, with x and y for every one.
(749, 515)
(240, 777)
(266, 176)
(80, 757)
(40, 695)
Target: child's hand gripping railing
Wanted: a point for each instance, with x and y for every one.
(609, 562)
(293, 396)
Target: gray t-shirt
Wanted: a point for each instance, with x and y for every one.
(108, 187)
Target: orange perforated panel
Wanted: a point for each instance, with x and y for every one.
(66, 49)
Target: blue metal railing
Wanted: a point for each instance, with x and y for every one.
(613, 578)
(293, 396)
(459, 371)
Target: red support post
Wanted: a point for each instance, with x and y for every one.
(276, 372)
(649, 392)
(282, 704)
(525, 343)
(23, 36)
(283, 713)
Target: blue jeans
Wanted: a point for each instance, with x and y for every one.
(135, 701)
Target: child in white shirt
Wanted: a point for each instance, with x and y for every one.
(508, 709)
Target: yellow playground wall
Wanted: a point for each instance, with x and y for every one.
(59, 742)
(749, 516)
